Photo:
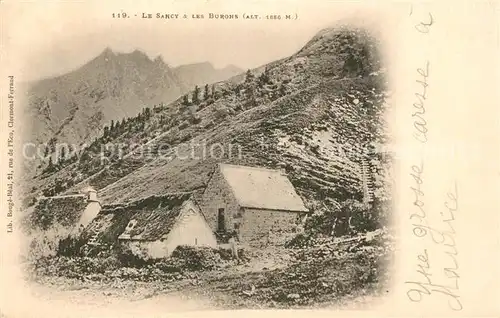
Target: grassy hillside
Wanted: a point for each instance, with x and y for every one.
(74, 108)
(301, 114)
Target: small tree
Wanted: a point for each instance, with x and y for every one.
(50, 166)
(196, 94)
(205, 93)
(249, 76)
(119, 126)
(237, 89)
(250, 92)
(46, 151)
(282, 90)
(264, 77)
(147, 112)
(63, 154)
(185, 100)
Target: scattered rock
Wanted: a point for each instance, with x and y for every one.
(293, 296)
(250, 292)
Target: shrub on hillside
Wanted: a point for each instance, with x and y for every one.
(227, 255)
(169, 265)
(129, 259)
(349, 218)
(196, 258)
(301, 240)
(70, 266)
(39, 246)
(71, 246)
(321, 223)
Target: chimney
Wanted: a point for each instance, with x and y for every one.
(92, 195)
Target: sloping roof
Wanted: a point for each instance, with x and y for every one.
(88, 189)
(154, 217)
(109, 223)
(262, 188)
(64, 210)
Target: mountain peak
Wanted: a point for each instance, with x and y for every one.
(106, 55)
(232, 68)
(206, 64)
(139, 54)
(108, 52)
(159, 60)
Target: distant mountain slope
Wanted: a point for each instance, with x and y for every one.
(73, 108)
(309, 114)
(203, 73)
(111, 86)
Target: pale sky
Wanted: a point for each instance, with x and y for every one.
(57, 38)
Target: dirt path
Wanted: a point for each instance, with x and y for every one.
(131, 298)
(270, 279)
(136, 298)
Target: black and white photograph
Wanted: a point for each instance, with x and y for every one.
(216, 157)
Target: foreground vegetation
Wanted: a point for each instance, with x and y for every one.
(315, 272)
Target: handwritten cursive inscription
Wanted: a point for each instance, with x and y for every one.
(418, 216)
(424, 26)
(443, 280)
(418, 115)
(437, 267)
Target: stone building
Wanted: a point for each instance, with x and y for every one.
(261, 205)
(158, 225)
(92, 209)
(51, 219)
(70, 211)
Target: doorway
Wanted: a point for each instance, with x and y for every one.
(221, 221)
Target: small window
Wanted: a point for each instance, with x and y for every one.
(131, 224)
(236, 226)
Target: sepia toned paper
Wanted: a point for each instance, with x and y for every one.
(263, 110)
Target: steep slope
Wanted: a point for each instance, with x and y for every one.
(313, 114)
(73, 108)
(205, 73)
(111, 86)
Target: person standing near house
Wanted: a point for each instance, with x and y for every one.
(233, 245)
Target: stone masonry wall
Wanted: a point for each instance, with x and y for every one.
(261, 227)
(218, 195)
(255, 226)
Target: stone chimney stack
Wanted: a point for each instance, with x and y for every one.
(91, 194)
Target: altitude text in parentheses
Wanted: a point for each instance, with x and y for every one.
(251, 16)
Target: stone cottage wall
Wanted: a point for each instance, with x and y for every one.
(190, 229)
(261, 227)
(147, 249)
(218, 195)
(89, 213)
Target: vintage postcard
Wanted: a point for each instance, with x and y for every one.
(194, 158)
